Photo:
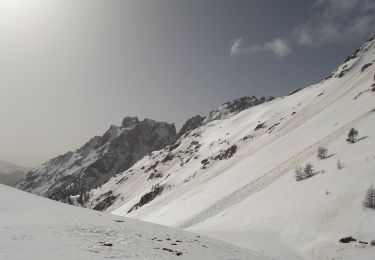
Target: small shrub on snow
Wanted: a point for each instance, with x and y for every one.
(308, 170)
(299, 173)
(304, 173)
(339, 164)
(322, 152)
(352, 136)
(369, 201)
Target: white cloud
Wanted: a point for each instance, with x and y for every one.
(335, 21)
(235, 49)
(278, 47)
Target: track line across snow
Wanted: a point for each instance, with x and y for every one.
(269, 177)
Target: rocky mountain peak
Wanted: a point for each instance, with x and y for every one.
(130, 121)
(190, 124)
(236, 106)
(102, 157)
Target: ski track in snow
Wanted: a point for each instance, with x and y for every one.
(300, 118)
(271, 176)
(268, 178)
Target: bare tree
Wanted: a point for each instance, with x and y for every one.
(305, 172)
(322, 152)
(86, 196)
(308, 170)
(299, 174)
(352, 136)
(80, 198)
(369, 201)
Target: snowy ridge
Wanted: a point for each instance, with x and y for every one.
(233, 178)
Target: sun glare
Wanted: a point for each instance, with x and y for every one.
(21, 9)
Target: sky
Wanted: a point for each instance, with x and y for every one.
(70, 69)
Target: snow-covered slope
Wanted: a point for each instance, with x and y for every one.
(32, 227)
(75, 173)
(11, 173)
(233, 178)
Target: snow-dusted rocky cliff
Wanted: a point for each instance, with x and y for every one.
(69, 177)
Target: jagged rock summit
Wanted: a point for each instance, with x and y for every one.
(102, 157)
(233, 107)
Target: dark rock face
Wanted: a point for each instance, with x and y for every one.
(364, 67)
(98, 160)
(130, 121)
(259, 126)
(148, 197)
(105, 203)
(236, 106)
(222, 155)
(357, 51)
(243, 103)
(226, 154)
(347, 240)
(190, 125)
(353, 55)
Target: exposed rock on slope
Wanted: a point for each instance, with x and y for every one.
(233, 107)
(75, 173)
(190, 125)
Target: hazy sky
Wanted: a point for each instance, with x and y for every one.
(71, 68)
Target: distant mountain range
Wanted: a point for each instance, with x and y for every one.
(11, 173)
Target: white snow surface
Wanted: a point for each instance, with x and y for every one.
(33, 227)
(252, 198)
